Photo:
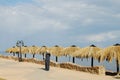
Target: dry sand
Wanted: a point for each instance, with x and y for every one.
(13, 70)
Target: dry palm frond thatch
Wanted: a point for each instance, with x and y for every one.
(87, 52)
(70, 51)
(110, 53)
(56, 51)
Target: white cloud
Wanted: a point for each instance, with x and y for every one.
(79, 10)
(116, 15)
(61, 19)
(28, 18)
(51, 14)
(87, 22)
(101, 37)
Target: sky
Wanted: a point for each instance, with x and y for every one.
(59, 22)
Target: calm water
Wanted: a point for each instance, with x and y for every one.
(83, 62)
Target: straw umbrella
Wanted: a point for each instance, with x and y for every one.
(110, 53)
(42, 50)
(87, 52)
(70, 51)
(15, 49)
(25, 50)
(33, 49)
(56, 51)
(10, 50)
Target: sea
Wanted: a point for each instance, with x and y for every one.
(110, 66)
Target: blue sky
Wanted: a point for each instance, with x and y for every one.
(13, 2)
(59, 22)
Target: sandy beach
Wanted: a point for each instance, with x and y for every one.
(13, 70)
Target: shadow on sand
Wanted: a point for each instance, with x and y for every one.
(44, 69)
(114, 74)
(110, 73)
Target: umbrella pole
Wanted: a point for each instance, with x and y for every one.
(33, 55)
(56, 59)
(25, 55)
(92, 62)
(73, 59)
(117, 65)
(13, 54)
(99, 59)
(18, 55)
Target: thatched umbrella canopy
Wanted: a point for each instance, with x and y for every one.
(70, 51)
(9, 50)
(25, 49)
(110, 53)
(87, 52)
(56, 51)
(15, 50)
(33, 50)
(42, 50)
